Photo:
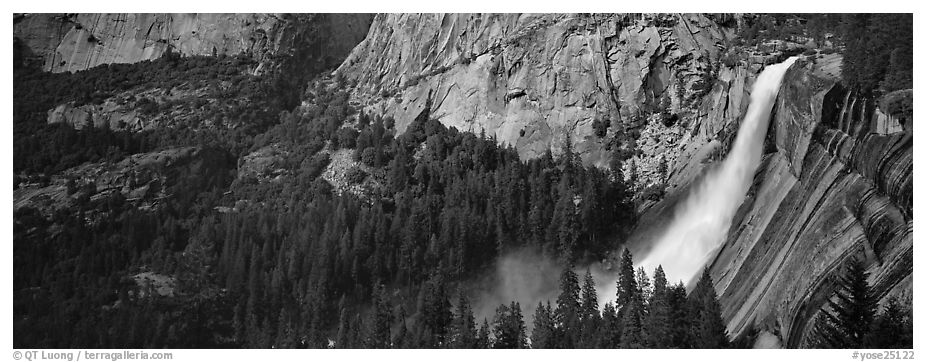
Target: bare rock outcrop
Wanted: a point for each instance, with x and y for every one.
(107, 115)
(266, 163)
(148, 109)
(143, 180)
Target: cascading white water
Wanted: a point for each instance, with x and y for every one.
(701, 221)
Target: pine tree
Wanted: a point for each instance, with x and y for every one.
(543, 334)
(631, 325)
(626, 282)
(401, 338)
(847, 321)
(344, 331)
(436, 313)
(644, 288)
(708, 328)
(656, 323)
(590, 317)
(893, 327)
(380, 333)
(568, 309)
(355, 336)
(610, 327)
(679, 317)
(483, 341)
(855, 34)
(463, 329)
(565, 223)
(508, 327)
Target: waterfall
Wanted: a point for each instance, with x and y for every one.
(700, 222)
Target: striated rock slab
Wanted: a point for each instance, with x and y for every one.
(830, 190)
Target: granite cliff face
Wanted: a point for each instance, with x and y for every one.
(831, 188)
(72, 42)
(533, 80)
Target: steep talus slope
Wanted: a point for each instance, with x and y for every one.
(531, 80)
(828, 191)
(72, 42)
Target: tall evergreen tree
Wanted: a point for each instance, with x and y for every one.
(626, 283)
(401, 338)
(631, 325)
(610, 330)
(568, 310)
(893, 327)
(589, 297)
(564, 222)
(483, 340)
(679, 317)
(656, 324)
(379, 335)
(543, 334)
(436, 314)
(590, 318)
(847, 320)
(463, 329)
(344, 331)
(508, 327)
(708, 327)
(644, 289)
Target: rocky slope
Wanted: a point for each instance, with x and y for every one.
(831, 188)
(125, 111)
(142, 180)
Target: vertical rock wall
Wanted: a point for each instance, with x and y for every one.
(72, 42)
(531, 80)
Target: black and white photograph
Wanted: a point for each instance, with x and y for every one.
(405, 180)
